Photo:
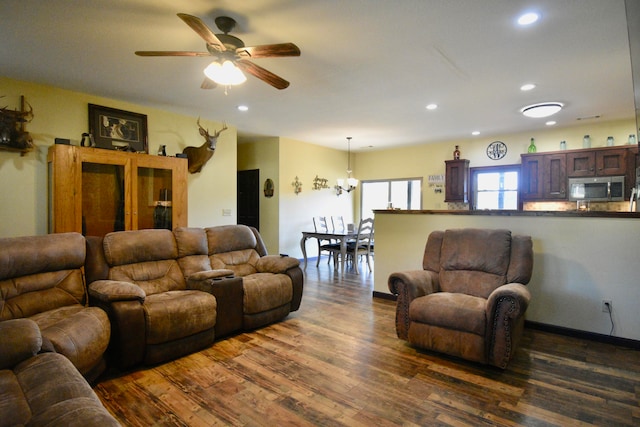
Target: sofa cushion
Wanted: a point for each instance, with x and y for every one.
(79, 333)
(152, 276)
(177, 314)
(474, 261)
(266, 291)
(241, 262)
(58, 395)
(136, 246)
(23, 256)
(229, 238)
(20, 339)
(14, 409)
(27, 295)
(458, 312)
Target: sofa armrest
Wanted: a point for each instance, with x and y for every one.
(276, 264)
(210, 274)
(107, 291)
(506, 307)
(20, 339)
(409, 285)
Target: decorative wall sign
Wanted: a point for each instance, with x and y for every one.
(117, 129)
(297, 186)
(320, 183)
(268, 188)
(496, 150)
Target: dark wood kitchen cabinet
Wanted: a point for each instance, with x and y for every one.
(597, 162)
(456, 181)
(543, 176)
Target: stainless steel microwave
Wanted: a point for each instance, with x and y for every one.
(597, 189)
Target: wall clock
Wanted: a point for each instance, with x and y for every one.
(496, 150)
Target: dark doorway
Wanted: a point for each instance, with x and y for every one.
(249, 198)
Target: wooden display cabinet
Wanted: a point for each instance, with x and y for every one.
(95, 191)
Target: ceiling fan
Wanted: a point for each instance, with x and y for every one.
(230, 54)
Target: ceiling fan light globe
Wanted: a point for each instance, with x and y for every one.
(225, 74)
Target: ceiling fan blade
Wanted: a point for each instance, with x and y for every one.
(269, 50)
(203, 31)
(207, 83)
(262, 74)
(170, 53)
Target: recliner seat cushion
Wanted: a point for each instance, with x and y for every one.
(266, 291)
(177, 314)
(452, 311)
(79, 333)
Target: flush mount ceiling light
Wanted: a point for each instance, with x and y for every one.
(543, 109)
(528, 18)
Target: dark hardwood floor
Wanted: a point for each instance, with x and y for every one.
(338, 362)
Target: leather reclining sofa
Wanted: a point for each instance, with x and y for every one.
(70, 303)
(168, 294)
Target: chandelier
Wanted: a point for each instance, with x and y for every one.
(352, 183)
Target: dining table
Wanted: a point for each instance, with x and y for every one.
(341, 238)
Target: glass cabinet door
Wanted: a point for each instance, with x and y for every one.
(154, 198)
(103, 198)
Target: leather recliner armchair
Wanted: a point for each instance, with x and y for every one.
(470, 298)
(41, 279)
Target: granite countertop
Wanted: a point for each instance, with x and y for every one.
(574, 213)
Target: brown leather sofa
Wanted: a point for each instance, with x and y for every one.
(41, 278)
(172, 293)
(155, 317)
(42, 388)
(469, 299)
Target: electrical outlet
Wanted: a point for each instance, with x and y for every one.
(607, 306)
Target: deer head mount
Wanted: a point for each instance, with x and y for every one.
(199, 156)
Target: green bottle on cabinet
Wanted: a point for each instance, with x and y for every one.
(532, 147)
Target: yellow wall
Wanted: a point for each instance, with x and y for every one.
(287, 212)
(64, 114)
(264, 155)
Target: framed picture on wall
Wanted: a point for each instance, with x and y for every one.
(118, 129)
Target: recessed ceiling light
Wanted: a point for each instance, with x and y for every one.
(528, 18)
(550, 123)
(526, 87)
(475, 133)
(543, 109)
(432, 106)
(243, 108)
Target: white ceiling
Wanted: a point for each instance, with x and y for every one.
(368, 67)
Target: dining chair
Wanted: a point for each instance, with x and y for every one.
(320, 226)
(338, 224)
(361, 246)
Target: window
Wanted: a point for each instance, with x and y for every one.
(495, 187)
(399, 193)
